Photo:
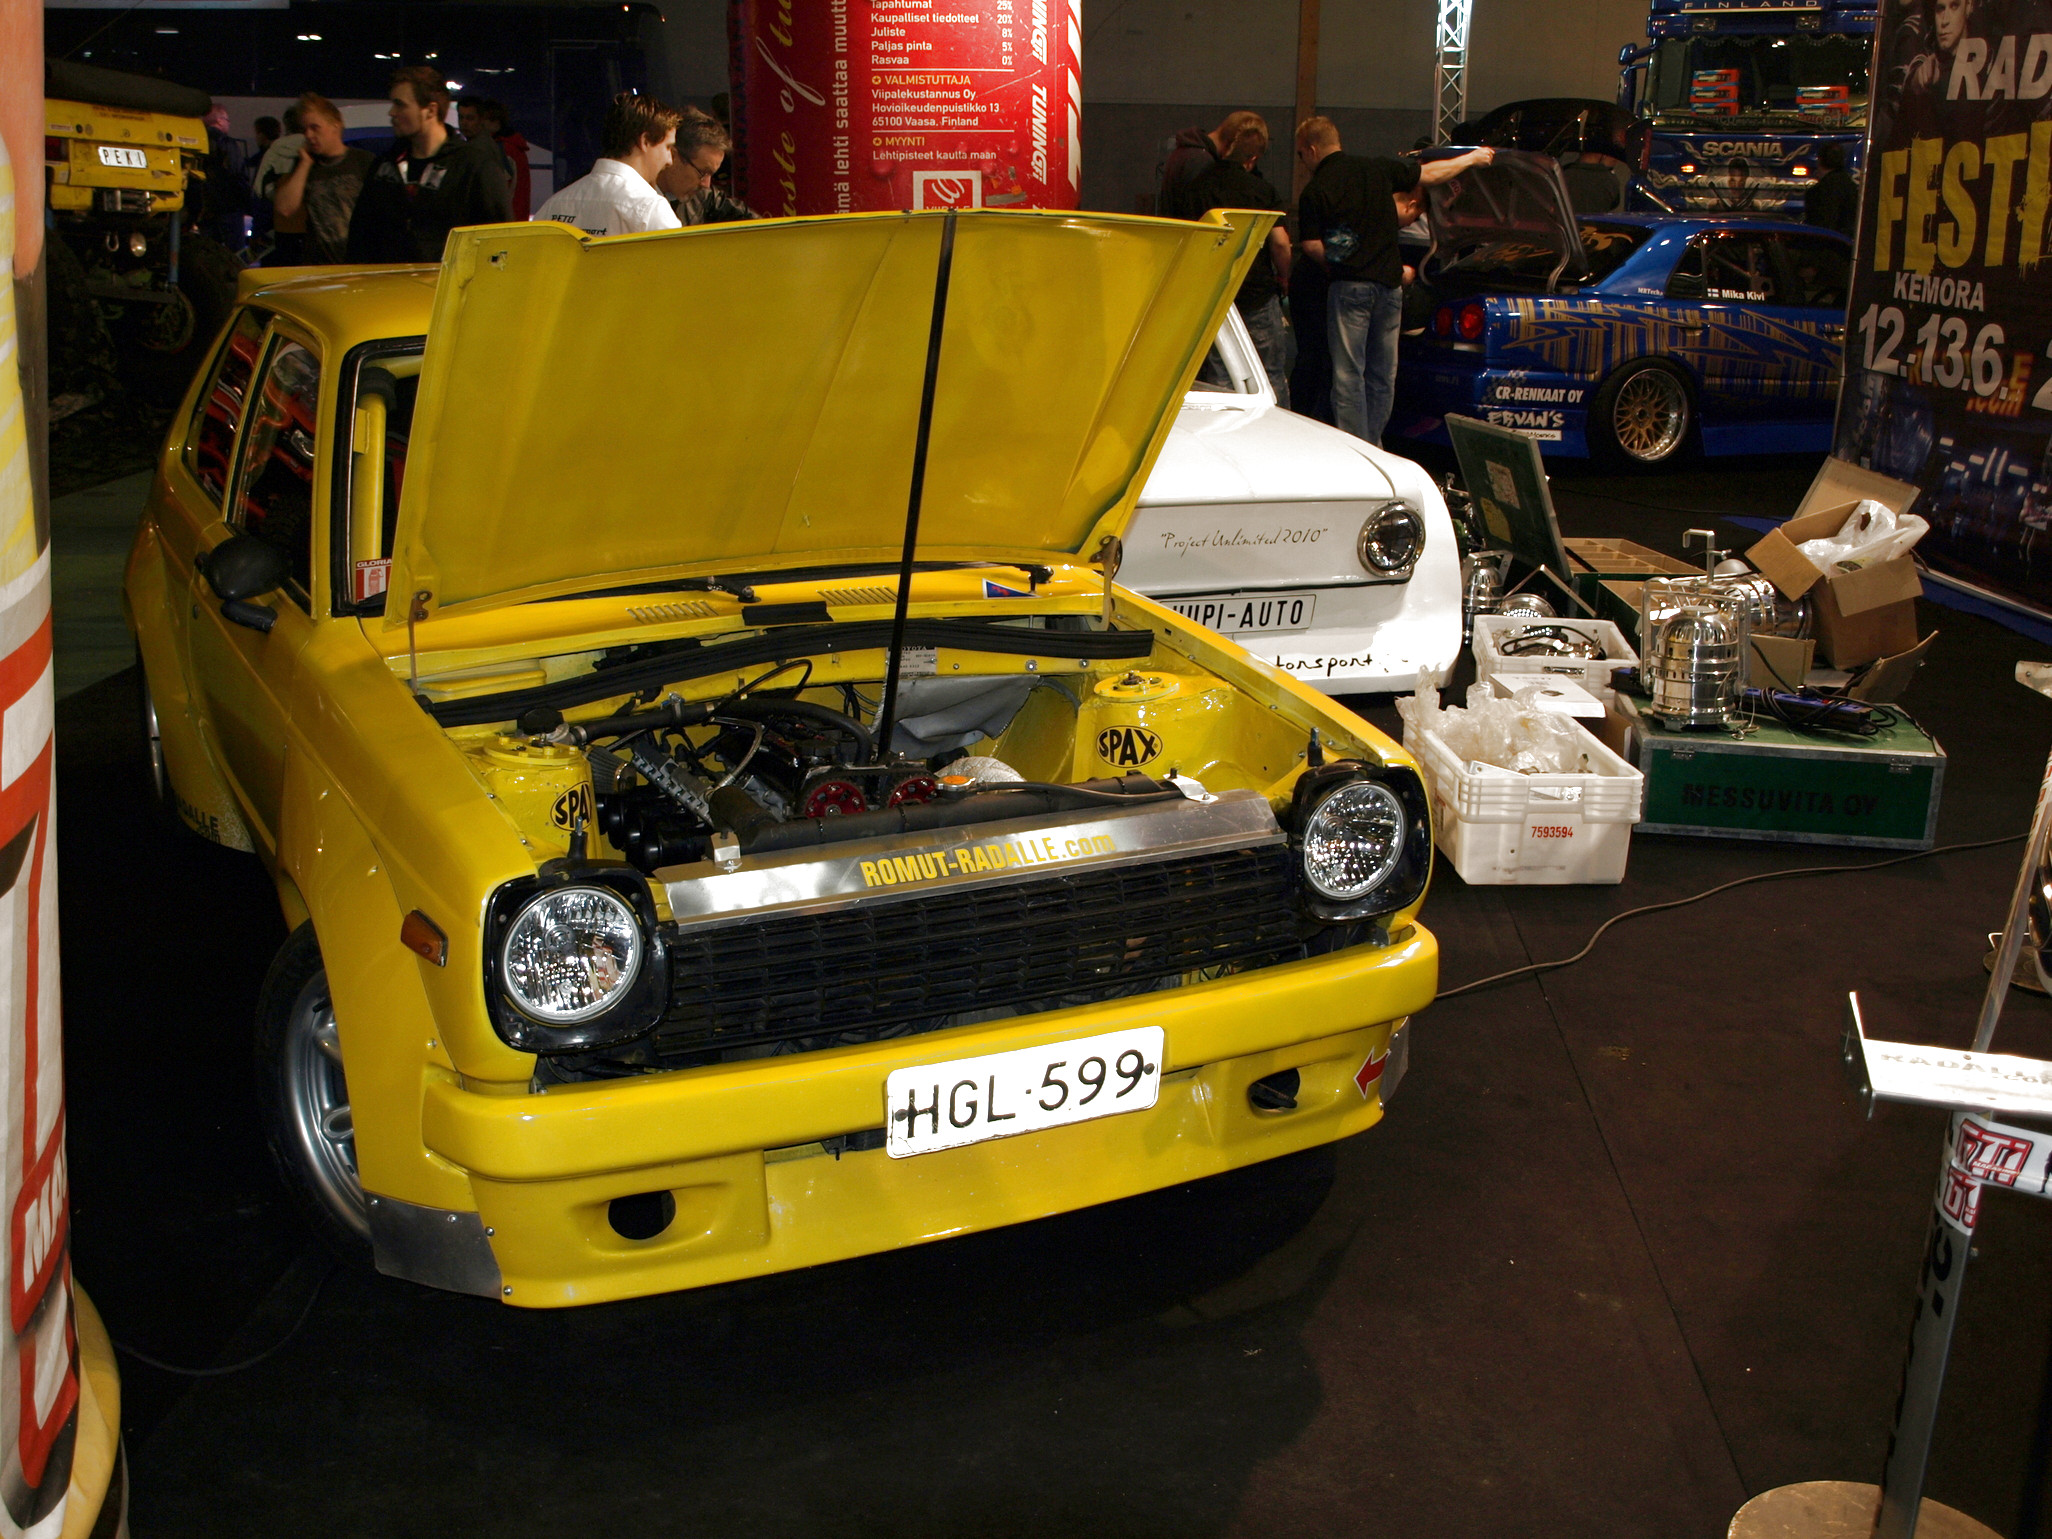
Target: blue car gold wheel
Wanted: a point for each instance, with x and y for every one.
(1643, 415)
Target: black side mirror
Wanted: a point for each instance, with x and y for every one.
(243, 566)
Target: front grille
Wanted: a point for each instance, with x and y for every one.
(798, 984)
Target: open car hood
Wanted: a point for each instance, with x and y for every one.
(1518, 199)
(745, 397)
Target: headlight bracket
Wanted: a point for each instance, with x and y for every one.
(639, 1010)
(1408, 881)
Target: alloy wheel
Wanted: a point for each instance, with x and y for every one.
(317, 1103)
(153, 737)
(1650, 416)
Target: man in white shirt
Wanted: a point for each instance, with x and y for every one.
(619, 197)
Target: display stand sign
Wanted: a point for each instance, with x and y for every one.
(1979, 1152)
(1978, 1087)
(1948, 368)
(848, 106)
(39, 1347)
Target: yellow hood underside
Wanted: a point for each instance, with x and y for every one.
(745, 397)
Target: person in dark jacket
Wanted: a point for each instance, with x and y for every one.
(429, 182)
(687, 181)
(484, 118)
(1234, 183)
(1833, 200)
(1194, 152)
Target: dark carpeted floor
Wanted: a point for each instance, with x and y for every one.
(1622, 1254)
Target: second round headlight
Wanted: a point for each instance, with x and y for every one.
(1391, 540)
(570, 954)
(1354, 841)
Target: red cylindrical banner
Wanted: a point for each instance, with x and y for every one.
(844, 106)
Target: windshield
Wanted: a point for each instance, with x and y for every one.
(1760, 82)
(1512, 263)
(1521, 264)
(1608, 245)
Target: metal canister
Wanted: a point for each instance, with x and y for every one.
(1698, 662)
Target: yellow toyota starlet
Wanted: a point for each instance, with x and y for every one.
(729, 817)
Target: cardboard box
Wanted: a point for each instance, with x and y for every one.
(1862, 615)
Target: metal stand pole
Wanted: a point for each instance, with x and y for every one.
(1946, 1248)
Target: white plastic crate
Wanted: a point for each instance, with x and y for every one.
(1592, 673)
(1499, 828)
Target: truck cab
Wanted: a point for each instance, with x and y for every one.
(1743, 102)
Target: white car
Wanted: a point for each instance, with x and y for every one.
(1326, 556)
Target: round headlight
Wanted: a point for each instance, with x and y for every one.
(570, 954)
(1392, 539)
(1354, 840)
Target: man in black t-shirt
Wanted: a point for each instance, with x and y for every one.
(1234, 183)
(1347, 222)
(428, 182)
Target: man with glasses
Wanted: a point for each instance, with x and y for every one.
(702, 146)
(618, 196)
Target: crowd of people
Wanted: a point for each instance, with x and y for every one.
(1345, 275)
(315, 199)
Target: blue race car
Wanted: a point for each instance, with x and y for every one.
(1628, 337)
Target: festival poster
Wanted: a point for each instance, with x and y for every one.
(849, 106)
(1948, 377)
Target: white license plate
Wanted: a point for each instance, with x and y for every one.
(947, 1105)
(115, 155)
(1237, 616)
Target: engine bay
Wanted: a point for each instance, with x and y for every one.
(786, 757)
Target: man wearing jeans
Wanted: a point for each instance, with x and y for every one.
(1347, 222)
(1234, 183)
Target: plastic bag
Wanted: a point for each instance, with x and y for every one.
(1872, 533)
(1493, 732)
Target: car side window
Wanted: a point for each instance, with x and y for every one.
(210, 446)
(1736, 267)
(276, 499)
(378, 420)
(1815, 270)
(1686, 281)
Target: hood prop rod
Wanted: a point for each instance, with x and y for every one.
(886, 715)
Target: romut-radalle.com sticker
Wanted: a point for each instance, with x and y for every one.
(1948, 377)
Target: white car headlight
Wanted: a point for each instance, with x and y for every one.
(1391, 540)
(1354, 840)
(570, 954)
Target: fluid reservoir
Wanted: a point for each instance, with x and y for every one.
(544, 788)
(1149, 723)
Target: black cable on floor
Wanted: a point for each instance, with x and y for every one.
(248, 1362)
(1763, 876)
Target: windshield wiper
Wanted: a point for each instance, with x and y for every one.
(784, 644)
(741, 585)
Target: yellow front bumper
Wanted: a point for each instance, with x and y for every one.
(737, 1145)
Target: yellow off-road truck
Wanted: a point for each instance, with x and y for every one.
(136, 293)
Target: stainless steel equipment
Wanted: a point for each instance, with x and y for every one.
(1697, 652)
(1548, 641)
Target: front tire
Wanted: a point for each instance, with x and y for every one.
(303, 1097)
(162, 797)
(1644, 415)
